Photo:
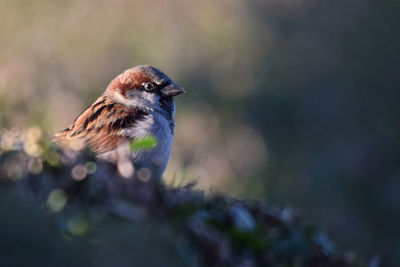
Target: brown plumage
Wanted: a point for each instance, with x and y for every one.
(136, 104)
(101, 125)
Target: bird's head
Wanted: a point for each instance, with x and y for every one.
(143, 86)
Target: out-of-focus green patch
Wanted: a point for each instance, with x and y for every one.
(254, 240)
(144, 143)
(78, 225)
(52, 157)
(57, 200)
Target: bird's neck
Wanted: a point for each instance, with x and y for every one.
(168, 106)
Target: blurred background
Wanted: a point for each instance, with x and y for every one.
(292, 101)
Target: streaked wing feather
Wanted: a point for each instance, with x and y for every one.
(100, 125)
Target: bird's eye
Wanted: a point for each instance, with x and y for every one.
(149, 86)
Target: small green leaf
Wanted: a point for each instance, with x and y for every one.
(144, 143)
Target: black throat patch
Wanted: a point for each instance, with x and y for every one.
(167, 104)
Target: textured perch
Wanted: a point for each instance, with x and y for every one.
(90, 200)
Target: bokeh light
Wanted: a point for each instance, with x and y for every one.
(125, 168)
(79, 172)
(57, 200)
(143, 174)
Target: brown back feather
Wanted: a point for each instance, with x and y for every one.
(99, 126)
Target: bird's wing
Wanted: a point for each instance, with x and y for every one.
(101, 125)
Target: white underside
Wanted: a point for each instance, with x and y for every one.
(157, 125)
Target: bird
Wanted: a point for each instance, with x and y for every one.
(137, 104)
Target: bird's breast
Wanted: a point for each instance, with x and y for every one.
(157, 126)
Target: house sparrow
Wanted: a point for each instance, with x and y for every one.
(136, 104)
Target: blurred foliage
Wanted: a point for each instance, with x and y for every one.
(144, 143)
(103, 218)
(294, 101)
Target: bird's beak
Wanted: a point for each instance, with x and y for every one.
(172, 90)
